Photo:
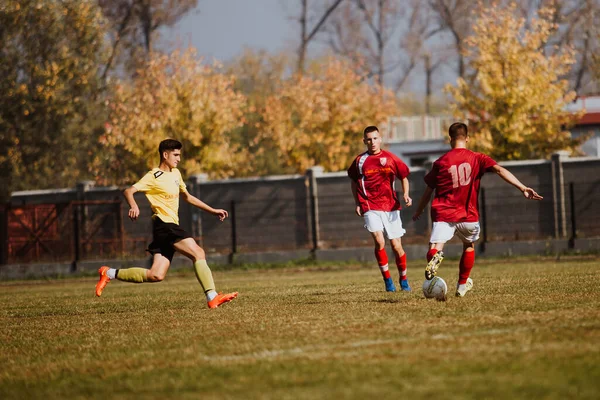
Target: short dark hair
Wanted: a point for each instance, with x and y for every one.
(458, 129)
(168, 145)
(369, 129)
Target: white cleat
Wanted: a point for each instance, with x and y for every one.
(461, 290)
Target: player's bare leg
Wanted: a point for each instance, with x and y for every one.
(158, 271)
(382, 260)
(435, 255)
(400, 256)
(190, 249)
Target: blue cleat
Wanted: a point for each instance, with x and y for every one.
(405, 286)
(389, 285)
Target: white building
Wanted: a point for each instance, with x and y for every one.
(589, 123)
(418, 140)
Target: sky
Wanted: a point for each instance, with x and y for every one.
(223, 28)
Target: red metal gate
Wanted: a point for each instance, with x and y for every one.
(64, 232)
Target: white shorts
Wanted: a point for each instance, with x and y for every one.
(442, 232)
(388, 221)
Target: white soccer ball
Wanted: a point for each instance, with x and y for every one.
(435, 288)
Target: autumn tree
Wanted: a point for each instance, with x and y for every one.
(311, 21)
(576, 27)
(455, 17)
(382, 38)
(258, 74)
(515, 98)
(173, 96)
(595, 64)
(49, 91)
(134, 27)
(318, 118)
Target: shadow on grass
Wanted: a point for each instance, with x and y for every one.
(393, 301)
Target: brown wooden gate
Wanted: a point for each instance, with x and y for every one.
(72, 231)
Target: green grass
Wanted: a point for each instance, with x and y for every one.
(529, 329)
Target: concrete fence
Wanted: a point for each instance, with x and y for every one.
(288, 217)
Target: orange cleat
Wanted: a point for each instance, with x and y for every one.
(222, 299)
(104, 279)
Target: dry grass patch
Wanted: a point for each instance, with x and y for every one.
(528, 329)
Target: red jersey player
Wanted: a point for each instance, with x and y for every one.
(373, 174)
(455, 177)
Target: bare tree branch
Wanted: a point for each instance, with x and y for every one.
(119, 36)
(304, 38)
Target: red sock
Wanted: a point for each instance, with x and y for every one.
(466, 264)
(431, 253)
(382, 261)
(401, 264)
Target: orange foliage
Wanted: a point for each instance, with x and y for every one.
(318, 118)
(174, 96)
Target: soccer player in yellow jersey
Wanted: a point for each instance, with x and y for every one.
(163, 186)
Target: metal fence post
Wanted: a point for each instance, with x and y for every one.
(573, 216)
(195, 182)
(428, 165)
(81, 217)
(120, 228)
(558, 194)
(4, 235)
(309, 217)
(483, 219)
(233, 232)
(312, 174)
(76, 237)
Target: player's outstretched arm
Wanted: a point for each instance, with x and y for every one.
(354, 187)
(134, 210)
(505, 174)
(406, 190)
(423, 203)
(196, 202)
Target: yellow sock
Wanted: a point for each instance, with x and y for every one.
(204, 275)
(135, 275)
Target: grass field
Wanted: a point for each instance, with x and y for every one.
(529, 329)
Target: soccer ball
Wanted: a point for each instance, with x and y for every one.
(435, 288)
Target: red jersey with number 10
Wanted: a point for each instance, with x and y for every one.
(456, 176)
(375, 175)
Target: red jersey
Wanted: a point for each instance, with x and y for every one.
(375, 175)
(456, 176)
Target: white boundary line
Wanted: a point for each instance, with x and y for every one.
(346, 349)
(322, 351)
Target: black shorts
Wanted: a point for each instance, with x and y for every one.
(164, 235)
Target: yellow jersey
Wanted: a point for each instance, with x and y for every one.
(162, 190)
